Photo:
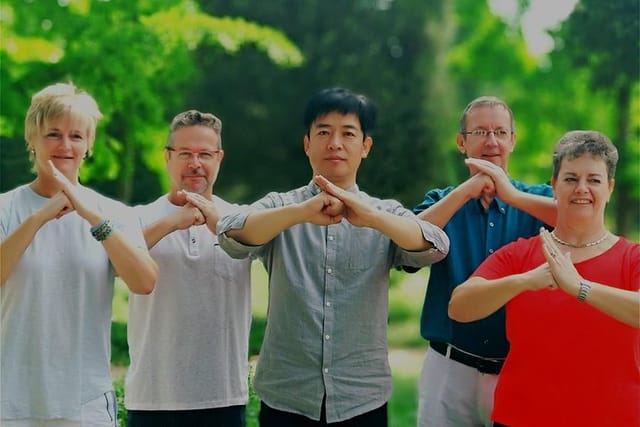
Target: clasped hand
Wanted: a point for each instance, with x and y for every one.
(337, 204)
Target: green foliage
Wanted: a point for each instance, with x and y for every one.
(135, 58)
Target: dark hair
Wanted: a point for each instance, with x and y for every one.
(341, 101)
(485, 101)
(576, 143)
(195, 118)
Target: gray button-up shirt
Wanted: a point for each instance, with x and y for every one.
(326, 328)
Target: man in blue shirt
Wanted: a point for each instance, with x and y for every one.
(480, 215)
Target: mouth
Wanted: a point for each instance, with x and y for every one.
(581, 202)
(59, 157)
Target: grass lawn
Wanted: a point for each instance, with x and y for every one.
(406, 347)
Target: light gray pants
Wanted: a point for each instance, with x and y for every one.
(453, 395)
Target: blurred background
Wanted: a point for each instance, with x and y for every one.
(560, 64)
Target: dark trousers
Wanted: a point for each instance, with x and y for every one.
(231, 416)
(270, 417)
(495, 424)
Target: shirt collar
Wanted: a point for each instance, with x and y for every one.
(315, 189)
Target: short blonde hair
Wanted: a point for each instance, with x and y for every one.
(61, 100)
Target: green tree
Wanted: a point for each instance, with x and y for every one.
(390, 50)
(136, 58)
(602, 38)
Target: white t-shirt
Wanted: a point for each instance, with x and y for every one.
(55, 309)
(188, 340)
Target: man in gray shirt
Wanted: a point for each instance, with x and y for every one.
(328, 248)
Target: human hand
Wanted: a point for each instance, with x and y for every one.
(479, 185)
(69, 191)
(354, 211)
(323, 209)
(206, 207)
(56, 207)
(501, 182)
(186, 216)
(539, 278)
(560, 264)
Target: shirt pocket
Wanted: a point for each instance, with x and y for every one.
(367, 249)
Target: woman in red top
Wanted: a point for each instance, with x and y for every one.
(572, 302)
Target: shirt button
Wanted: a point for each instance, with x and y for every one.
(193, 240)
(490, 251)
(486, 341)
(491, 224)
(330, 237)
(326, 370)
(329, 270)
(328, 304)
(326, 337)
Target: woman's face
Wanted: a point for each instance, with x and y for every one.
(65, 142)
(582, 188)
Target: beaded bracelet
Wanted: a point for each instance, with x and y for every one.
(102, 230)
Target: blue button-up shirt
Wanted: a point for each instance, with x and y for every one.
(475, 233)
(326, 328)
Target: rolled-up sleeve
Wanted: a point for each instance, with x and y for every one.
(235, 221)
(430, 233)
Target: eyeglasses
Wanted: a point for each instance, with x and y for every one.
(500, 134)
(187, 156)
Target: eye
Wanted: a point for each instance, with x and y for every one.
(52, 135)
(350, 134)
(570, 179)
(322, 132)
(205, 155)
(479, 132)
(77, 137)
(184, 155)
(501, 132)
(595, 181)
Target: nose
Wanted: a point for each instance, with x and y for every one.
(335, 142)
(194, 161)
(65, 140)
(491, 138)
(582, 186)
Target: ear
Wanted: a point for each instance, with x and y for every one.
(460, 143)
(305, 143)
(366, 146)
(220, 155)
(512, 142)
(612, 184)
(552, 182)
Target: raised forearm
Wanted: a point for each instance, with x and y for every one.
(478, 298)
(621, 304)
(261, 226)
(541, 207)
(132, 264)
(441, 212)
(405, 232)
(155, 232)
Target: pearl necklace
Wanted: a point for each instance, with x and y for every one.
(586, 245)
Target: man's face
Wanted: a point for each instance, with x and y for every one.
(491, 147)
(335, 146)
(193, 162)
